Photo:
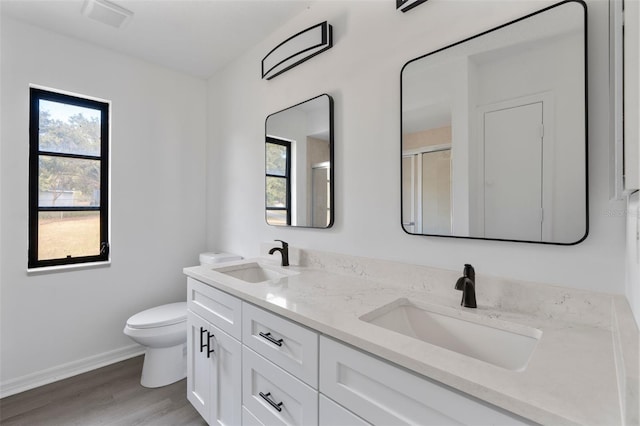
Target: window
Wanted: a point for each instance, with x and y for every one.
(278, 181)
(68, 179)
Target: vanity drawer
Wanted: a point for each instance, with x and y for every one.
(384, 394)
(283, 342)
(263, 381)
(219, 308)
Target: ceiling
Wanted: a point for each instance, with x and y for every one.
(197, 37)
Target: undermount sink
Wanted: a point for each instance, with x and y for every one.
(255, 272)
(504, 344)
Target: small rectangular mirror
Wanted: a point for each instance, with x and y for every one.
(298, 165)
(494, 133)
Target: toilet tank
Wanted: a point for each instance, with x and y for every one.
(211, 258)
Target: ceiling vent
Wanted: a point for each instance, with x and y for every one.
(106, 12)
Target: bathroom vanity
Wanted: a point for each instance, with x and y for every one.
(346, 340)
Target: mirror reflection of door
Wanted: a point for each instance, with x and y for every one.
(320, 194)
(426, 189)
(436, 192)
(318, 165)
(409, 194)
(513, 192)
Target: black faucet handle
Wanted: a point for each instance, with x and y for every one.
(469, 272)
(284, 243)
(467, 285)
(461, 283)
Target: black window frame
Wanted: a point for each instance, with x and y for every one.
(287, 178)
(37, 94)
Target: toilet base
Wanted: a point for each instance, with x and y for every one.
(163, 366)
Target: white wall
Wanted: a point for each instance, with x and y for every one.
(55, 322)
(362, 72)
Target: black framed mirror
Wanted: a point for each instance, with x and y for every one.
(494, 133)
(299, 165)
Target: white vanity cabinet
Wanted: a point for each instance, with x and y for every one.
(249, 366)
(384, 394)
(214, 358)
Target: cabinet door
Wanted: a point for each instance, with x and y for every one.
(226, 379)
(198, 365)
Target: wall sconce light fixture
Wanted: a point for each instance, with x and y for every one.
(297, 49)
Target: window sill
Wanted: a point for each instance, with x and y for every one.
(68, 268)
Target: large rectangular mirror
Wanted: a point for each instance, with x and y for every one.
(494, 133)
(298, 165)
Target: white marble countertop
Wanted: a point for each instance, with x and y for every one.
(571, 377)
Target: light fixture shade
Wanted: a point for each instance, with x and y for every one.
(106, 12)
(297, 49)
(405, 5)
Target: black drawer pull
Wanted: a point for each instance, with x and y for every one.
(276, 405)
(208, 343)
(271, 339)
(202, 344)
(210, 350)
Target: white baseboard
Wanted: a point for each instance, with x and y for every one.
(53, 374)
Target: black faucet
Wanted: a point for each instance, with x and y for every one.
(467, 284)
(284, 251)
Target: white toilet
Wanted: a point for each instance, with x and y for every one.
(163, 330)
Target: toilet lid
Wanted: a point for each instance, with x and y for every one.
(159, 316)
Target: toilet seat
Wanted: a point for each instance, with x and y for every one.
(160, 316)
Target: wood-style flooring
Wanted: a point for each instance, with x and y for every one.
(111, 395)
